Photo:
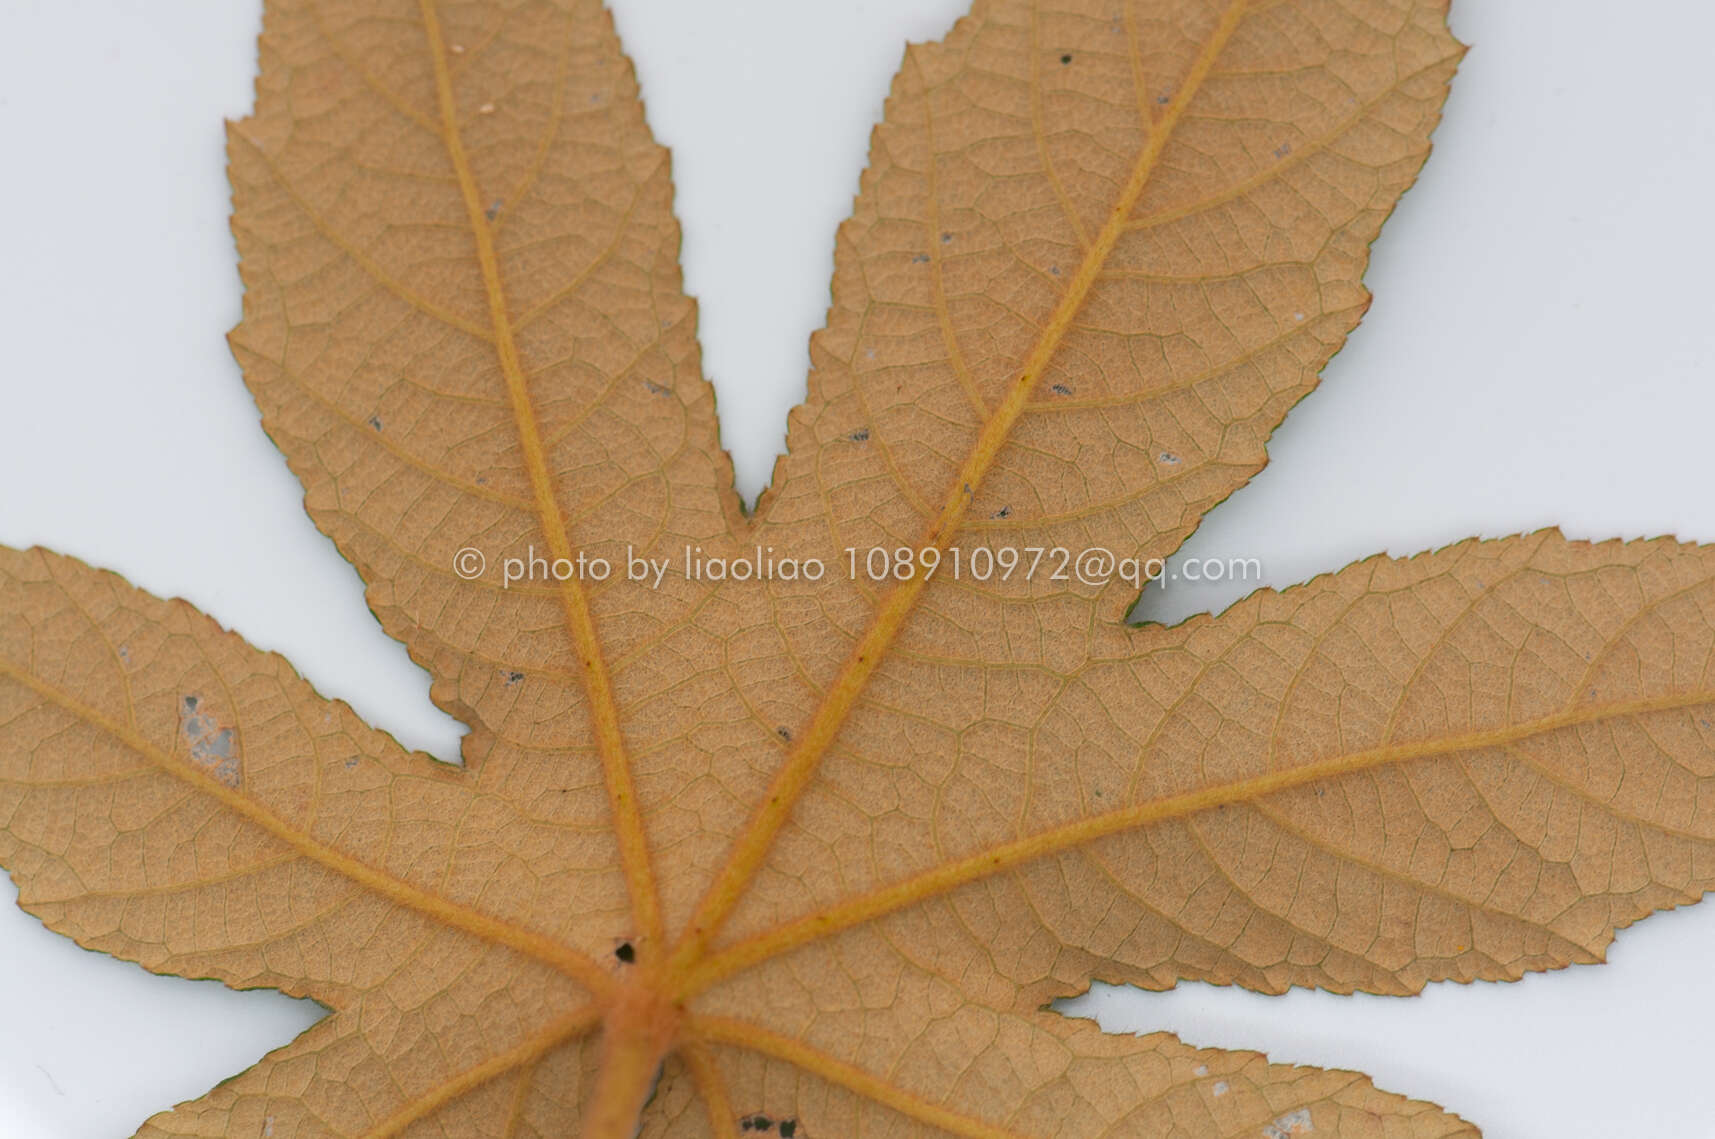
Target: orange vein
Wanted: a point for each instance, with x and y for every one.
(937, 269)
(1040, 130)
(520, 1097)
(574, 964)
(362, 260)
(565, 1028)
(951, 875)
(742, 1034)
(604, 714)
(711, 1085)
(800, 765)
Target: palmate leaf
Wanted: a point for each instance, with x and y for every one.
(807, 858)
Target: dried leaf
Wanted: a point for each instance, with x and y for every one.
(805, 858)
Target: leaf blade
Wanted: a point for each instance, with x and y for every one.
(1011, 1077)
(1236, 762)
(333, 1069)
(503, 364)
(238, 737)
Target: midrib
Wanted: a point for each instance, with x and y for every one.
(574, 603)
(577, 965)
(950, 875)
(794, 775)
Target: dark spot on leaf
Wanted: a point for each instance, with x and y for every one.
(1164, 98)
(1283, 150)
(190, 703)
(493, 210)
(375, 422)
(946, 237)
(785, 732)
(1065, 59)
(1060, 389)
(514, 677)
(1003, 512)
(626, 952)
(920, 259)
(655, 388)
(861, 435)
(788, 1128)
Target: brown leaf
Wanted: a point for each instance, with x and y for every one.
(802, 858)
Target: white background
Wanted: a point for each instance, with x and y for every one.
(1541, 350)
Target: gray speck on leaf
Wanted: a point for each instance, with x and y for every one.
(375, 422)
(212, 747)
(1292, 1123)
